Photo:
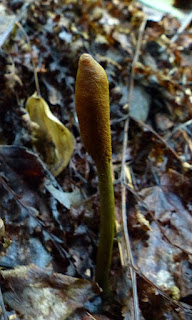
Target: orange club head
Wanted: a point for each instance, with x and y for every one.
(92, 107)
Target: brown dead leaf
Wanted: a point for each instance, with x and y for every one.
(36, 293)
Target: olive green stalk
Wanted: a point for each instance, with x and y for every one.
(92, 107)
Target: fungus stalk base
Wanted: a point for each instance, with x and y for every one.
(107, 220)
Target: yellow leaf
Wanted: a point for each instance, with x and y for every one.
(51, 138)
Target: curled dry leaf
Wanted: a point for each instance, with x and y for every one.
(50, 137)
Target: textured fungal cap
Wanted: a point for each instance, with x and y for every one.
(92, 107)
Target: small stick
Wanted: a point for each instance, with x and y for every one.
(123, 179)
(32, 59)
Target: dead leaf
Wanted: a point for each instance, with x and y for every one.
(23, 162)
(67, 199)
(36, 293)
(51, 138)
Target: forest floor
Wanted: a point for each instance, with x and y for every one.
(49, 224)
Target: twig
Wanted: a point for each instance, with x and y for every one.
(33, 62)
(55, 240)
(177, 128)
(18, 17)
(176, 303)
(140, 274)
(140, 199)
(123, 179)
(183, 26)
(144, 125)
(91, 316)
(3, 306)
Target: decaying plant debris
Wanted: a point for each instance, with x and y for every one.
(52, 224)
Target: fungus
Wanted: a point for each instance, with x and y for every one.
(93, 112)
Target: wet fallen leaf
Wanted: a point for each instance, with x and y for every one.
(36, 293)
(51, 138)
(23, 162)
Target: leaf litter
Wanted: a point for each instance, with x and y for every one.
(53, 223)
